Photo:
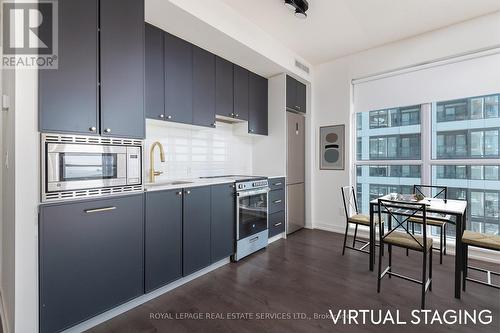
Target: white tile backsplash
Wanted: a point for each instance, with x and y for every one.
(192, 151)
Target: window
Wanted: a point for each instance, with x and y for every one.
(394, 117)
(476, 143)
(374, 181)
(463, 154)
(482, 107)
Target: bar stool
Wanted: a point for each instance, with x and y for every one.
(483, 241)
(397, 210)
(438, 223)
(351, 204)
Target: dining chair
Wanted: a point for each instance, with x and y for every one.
(441, 193)
(483, 241)
(351, 206)
(400, 212)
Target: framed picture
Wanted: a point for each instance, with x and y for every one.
(332, 147)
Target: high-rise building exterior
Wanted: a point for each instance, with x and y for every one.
(462, 154)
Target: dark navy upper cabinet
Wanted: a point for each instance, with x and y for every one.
(203, 87)
(68, 96)
(122, 68)
(258, 109)
(155, 77)
(295, 95)
(223, 221)
(91, 258)
(178, 80)
(196, 229)
(223, 87)
(68, 99)
(240, 79)
(163, 238)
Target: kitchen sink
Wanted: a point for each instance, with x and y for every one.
(172, 183)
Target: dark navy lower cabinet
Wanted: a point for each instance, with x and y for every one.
(91, 258)
(223, 221)
(163, 238)
(196, 229)
(276, 223)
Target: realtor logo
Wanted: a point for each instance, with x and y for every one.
(30, 34)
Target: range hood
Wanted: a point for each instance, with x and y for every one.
(228, 120)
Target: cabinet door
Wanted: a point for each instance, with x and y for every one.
(240, 92)
(223, 221)
(122, 68)
(155, 74)
(203, 87)
(68, 96)
(91, 258)
(301, 97)
(291, 93)
(257, 113)
(196, 229)
(223, 87)
(163, 237)
(178, 80)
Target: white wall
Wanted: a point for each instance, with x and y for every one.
(332, 96)
(194, 151)
(269, 152)
(7, 280)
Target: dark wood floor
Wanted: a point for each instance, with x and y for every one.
(306, 274)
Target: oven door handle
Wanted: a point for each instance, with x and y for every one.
(244, 194)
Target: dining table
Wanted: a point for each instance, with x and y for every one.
(455, 209)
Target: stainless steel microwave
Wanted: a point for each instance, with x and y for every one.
(81, 166)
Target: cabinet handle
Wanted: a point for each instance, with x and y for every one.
(92, 129)
(278, 224)
(253, 239)
(232, 114)
(251, 130)
(278, 184)
(162, 116)
(179, 193)
(237, 115)
(188, 192)
(277, 201)
(98, 210)
(232, 186)
(169, 117)
(107, 130)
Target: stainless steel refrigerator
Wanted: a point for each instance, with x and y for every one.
(296, 165)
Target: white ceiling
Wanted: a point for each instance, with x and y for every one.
(335, 28)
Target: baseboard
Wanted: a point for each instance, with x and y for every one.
(94, 321)
(474, 253)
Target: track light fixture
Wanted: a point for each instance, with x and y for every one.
(299, 6)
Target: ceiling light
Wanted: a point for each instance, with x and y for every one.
(300, 7)
(300, 14)
(290, 4)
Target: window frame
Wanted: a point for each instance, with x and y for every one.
(426, 160)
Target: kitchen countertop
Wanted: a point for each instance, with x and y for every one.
(185, 183)
(193, 182)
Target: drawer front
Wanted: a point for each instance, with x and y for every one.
(276, 223)
(276, 183)
(276, 201)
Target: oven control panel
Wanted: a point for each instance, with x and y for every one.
(250, 185)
